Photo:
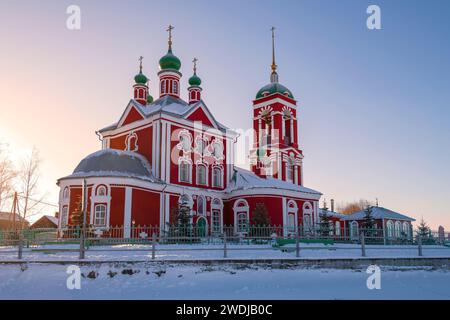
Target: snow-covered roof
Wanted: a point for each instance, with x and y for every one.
(244, 180)
(52, 219)
(331, 213)
(114, 163)
(379, 213)
(169, 105)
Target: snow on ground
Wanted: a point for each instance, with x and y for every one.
(211, 251)
(174, 281)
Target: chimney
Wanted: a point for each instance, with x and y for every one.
(332, 205)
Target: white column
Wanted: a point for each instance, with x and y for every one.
(154, 149)
(163, 151)
(292, 129)
(127, 212)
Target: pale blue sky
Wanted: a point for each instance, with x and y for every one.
(373, 105)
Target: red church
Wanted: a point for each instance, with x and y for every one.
(170, 150)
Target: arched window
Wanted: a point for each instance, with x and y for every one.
(216, 220)
(101, 191)
(406, 229)
(289, 172)
(337, 228)
(241, 218)
(201, 206)
(66, 193)
(185, 171)
(163, 86)
(64, 217)
(390, 229)
(201, 174)
(100, 215)
(217, 177)
(292, 216)
(307, 217)
(287, 127)
(354, 230)
(175, 87)
(397, 229)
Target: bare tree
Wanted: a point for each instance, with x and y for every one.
(355, 206)
(28, 183)
(7, 175)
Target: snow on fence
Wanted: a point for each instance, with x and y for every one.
(225, 239)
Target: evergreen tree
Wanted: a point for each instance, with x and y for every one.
(423, 230)
(324, 224)
(77, 214)
(369, 221)
(260, 215)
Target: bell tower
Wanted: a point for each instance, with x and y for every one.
(275, 151)
(169, 76)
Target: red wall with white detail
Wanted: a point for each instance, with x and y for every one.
(145, 208)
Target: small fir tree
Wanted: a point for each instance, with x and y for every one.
(423, 230)
(260, 215)
(369, 221)
(77, 214)
(324, 224)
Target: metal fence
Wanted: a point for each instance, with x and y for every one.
(91, 238)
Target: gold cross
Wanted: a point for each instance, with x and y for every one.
(169, 29)
(140, 63)
(195, 65)
(274, 65)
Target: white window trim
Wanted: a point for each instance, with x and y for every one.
(106, 215)
(240, 209)
(221, 176)
(205, 165)
(189, 162)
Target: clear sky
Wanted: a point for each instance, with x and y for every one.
(373, 104)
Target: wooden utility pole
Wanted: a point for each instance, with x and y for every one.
(14, 210)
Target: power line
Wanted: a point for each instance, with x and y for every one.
(40, 201)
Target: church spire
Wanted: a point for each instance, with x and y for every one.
(140, 87)
(274, 74)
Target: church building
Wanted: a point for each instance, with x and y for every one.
(166, 151)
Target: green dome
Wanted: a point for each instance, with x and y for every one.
(195, 80)
(149, 99)
(272, 88)
(170, 61)
(140, 78)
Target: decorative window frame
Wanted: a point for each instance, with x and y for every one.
(217, 205)
(100, 199)
(183, 144)
(354, 230)
(202, 149)
(219, 167)
(237, 210)
(131, 135)
(337, 228)
(203, 200)
(187, 160)
(206, 167)
(217, 142)
(390, 229)
(100, 226)
(291, 209)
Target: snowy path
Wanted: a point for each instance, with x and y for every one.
(193, 252)
(150, 281)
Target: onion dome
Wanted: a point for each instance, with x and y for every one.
(140, 78)
(170, 61)
(149, 99)
(195, 80)
(272, 88)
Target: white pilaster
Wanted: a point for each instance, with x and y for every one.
(127, 212)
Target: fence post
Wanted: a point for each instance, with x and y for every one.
(153, 245)
(82, 247)
(297, 244)
(224, 244)
(419, 242)
(363, 244)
